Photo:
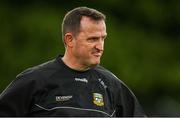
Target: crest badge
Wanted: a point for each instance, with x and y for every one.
(98, 99)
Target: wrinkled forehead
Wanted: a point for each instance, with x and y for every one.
(89, 24)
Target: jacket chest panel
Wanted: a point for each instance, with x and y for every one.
(77, 92)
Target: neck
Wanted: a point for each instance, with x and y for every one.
(73, 63)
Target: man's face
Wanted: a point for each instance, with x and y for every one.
(88, 45)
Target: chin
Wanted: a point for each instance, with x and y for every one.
(96, 63)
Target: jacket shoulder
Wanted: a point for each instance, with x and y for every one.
(40, 71)
(108, 74)
(115, 82)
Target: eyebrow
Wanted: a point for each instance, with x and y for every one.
(104, 36)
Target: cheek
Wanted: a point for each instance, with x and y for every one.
(86, 51)
(84, 48)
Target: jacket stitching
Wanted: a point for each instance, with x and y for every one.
(75, 109)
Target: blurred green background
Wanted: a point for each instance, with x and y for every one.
(142, 47)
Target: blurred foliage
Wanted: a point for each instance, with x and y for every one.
(142, 47)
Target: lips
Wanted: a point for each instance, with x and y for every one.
(97, 54)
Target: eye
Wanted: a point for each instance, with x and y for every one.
(92, 39)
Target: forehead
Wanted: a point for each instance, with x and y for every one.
(90, 25)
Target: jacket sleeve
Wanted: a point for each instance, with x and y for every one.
(127, 103)
(16, 99)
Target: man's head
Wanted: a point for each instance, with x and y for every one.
(71, 21)
(84, 31)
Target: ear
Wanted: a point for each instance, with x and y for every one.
(68, 39)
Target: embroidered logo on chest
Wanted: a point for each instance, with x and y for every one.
(63, 98)
(98, 99)
(102, 83)
(81, 80)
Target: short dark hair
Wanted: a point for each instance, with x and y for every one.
(71, 21)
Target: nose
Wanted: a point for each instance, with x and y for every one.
(100, 45)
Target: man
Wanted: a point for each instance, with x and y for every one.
(73, 84)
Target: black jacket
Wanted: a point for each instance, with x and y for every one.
(53, 89)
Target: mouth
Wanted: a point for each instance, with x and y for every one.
(97, 54)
